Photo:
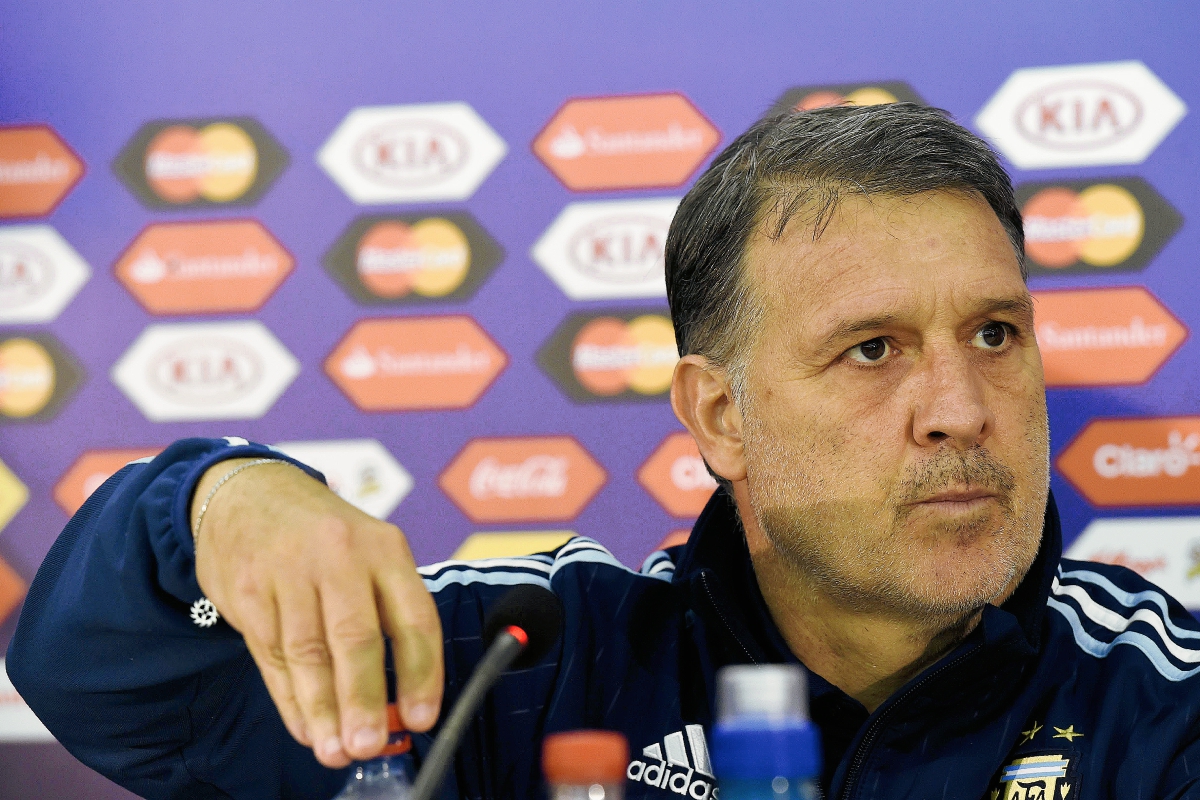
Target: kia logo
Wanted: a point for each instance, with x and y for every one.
(25, 274)
(411, 153)
(620, 249)
(1079, 115)
(206, 371)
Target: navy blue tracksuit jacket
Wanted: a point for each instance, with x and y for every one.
(1082, 686)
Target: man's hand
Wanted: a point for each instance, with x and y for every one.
(313, 585)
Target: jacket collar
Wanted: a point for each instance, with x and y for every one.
(716, 571)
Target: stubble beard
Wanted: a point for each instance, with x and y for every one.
(863, 556)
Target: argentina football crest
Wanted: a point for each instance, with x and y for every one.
(1042, 775)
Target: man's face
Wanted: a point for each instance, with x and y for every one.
(894, 413)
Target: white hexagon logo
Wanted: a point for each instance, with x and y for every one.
(205, 371)
(1164, 550)
(1080, 115)
(39, 274)
(608, 249)
(361, 471)
(412, 153)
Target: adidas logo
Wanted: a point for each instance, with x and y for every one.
(675, 772)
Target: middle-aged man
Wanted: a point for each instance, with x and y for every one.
(858, 367)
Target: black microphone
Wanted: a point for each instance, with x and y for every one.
(519, 629)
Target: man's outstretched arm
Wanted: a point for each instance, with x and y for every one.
(107, 654)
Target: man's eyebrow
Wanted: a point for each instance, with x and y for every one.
(1017, 306)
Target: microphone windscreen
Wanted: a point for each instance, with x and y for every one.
(533, 609)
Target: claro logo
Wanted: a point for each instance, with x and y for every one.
(205, 371)
(415, 363)
(804, 98)
(37, 170)
(40, 273)
(522, 479)
(1087, 114)
(631, 142)
(1083, 226)
(675, 476)
(410, 153)
(1104, 337)
(608, 249)
(195, 163)
(203, 267)
(412, 258)
(1136, 462)
(618, 355)
(91, 470)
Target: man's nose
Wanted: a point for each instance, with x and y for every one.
(949, 405)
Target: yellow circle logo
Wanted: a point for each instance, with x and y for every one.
(27, 378)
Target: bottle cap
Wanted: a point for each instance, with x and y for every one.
(399, 742)
(585, 757)
(771, 694)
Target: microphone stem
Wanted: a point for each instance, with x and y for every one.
(496, 660)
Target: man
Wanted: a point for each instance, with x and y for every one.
(858, 368)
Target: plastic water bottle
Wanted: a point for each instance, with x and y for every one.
(390, 775)
(585, 765)
(763, 745)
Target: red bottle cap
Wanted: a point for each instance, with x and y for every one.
(399, 742)
(585, 757)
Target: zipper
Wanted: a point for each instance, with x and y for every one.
(713, 602)
(860, 754)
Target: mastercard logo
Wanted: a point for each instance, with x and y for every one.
(37, 170)
(36, 376)
(1081, 226)
(408, 258)
(626, 355)
(806, 98)
(197, 163)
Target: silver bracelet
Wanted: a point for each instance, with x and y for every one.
(204, 613)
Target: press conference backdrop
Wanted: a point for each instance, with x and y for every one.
(419, 246)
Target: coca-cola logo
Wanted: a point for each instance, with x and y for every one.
(1079, 115)
(620, 249)
(536, 476)
(206, 371)
(25, 275)
(411, 153)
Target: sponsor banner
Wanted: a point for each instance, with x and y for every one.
(205, 371)
(92, 469)
(652, 141)
(522, 479)
(804, 98)
(1104, 337)
(612, 356)
(1164, 550)
(200, 163)
(398, 259)
(37, 170)
(12, 591)
(1151, 461)
(608, 249)
(40, 273)
(212, 267)
(1080, 115)
(361, 471)
(674, 538)
(13, 495)
(1114, 225)
(37, 377)
(415, 363)
(18, 723)
(675, 476)
(506, 544)
(411, 153)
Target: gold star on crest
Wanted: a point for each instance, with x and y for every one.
(1027, 736)
(1069, 733)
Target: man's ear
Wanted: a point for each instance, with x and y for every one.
(703, 400)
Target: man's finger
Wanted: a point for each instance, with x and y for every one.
(273, 669)
(410, 618)
(356, 647)
(310, 667)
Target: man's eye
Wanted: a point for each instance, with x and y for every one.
(869, 352)
(992, 336)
